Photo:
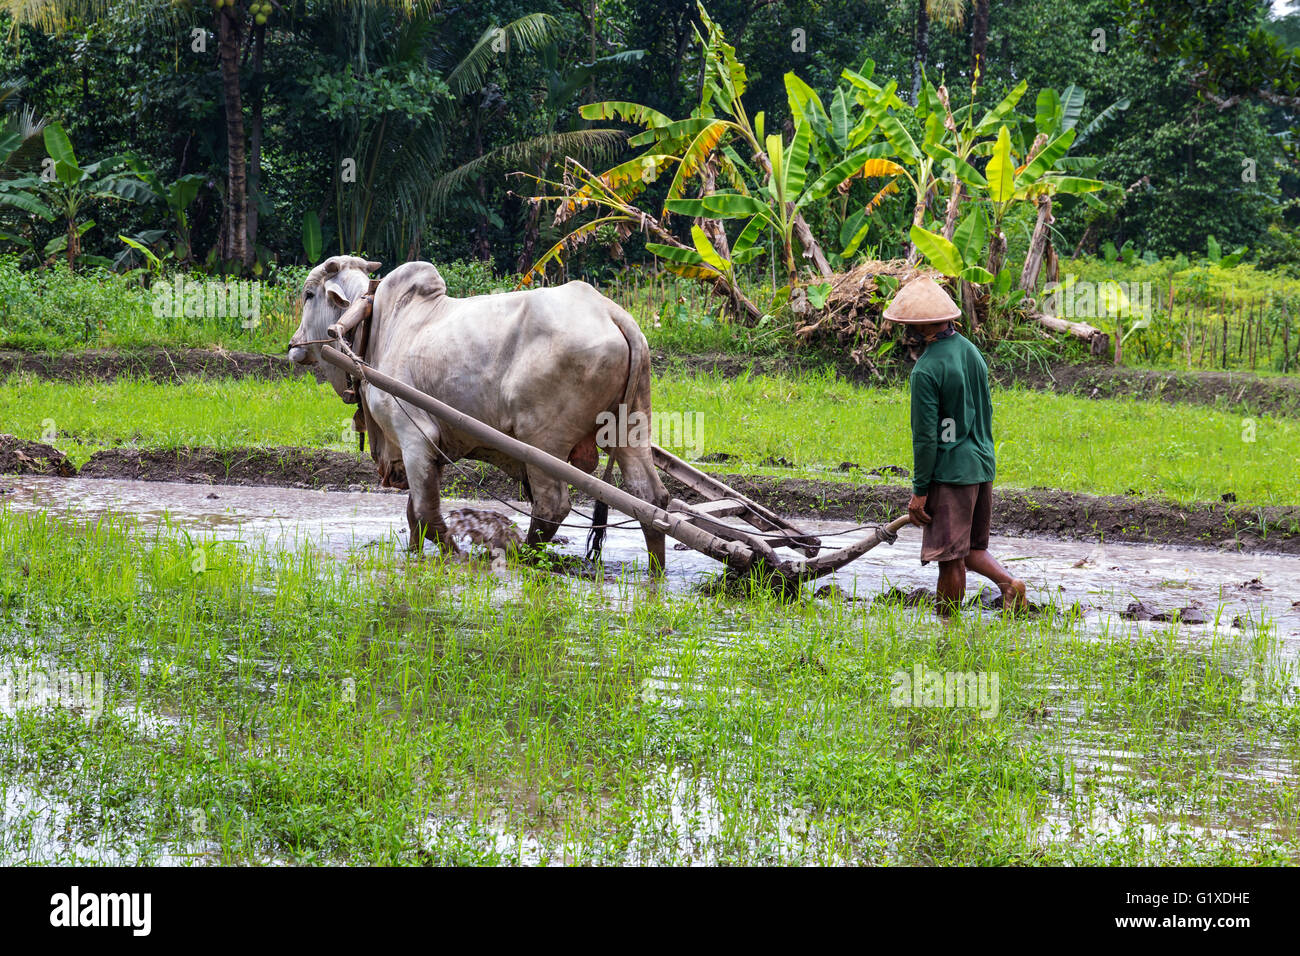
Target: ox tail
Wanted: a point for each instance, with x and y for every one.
(638, 370)
(599, 520)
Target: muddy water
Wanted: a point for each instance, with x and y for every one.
(1103, 580)
(1226, 587)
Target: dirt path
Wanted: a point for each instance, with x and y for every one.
(1279, 395)
(1016, 511)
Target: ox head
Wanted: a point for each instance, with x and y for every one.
(329, 290)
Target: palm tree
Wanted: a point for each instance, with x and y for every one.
(952, 15)
(588, 146)
(238, 32)
(21, 148)
(396, 153)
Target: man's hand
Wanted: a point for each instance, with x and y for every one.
(916, 509)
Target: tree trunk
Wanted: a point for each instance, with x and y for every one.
(482, 245)
(954, 205)
(997, 251)
(1037, 246)
(922, 48)
(234, 245)
(979, 39)
(255, 137)
(531, 229)
(74, 244)
(811, 248)
(918, 217)
(713, 227)
(969, 304)
(1098, 341)
(1088, 234)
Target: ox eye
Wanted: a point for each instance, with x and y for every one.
(308, 295)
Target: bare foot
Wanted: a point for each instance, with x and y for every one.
(1013, 595)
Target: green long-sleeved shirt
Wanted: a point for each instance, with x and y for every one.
(952, 416)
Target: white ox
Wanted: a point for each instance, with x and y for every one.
(540, 366)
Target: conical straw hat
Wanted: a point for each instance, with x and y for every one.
(921, 300)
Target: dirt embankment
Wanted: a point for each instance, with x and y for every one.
(19, 457)
(1033, 511)
(1239, 391)
(1277, 395)
(170, 366)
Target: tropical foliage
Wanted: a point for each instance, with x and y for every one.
(780, 140)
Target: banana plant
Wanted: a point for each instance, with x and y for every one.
(1038, 179)
(959, 257)
(709, 140)
(612, 193)
(1056, 118)
(177, 196)
(770, 190)
(944, 148)
(72, 186)
(783, 197)
(839, 131)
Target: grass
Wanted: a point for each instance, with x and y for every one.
(57, 310)
(1241, 317)
(215, 413)
(1100, 446)
(282, 706)
(1151, 448)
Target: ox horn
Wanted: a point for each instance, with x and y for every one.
(373, 266)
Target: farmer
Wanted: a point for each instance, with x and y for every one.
(952, 447)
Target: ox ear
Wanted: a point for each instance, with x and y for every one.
(374, 266)
(337, 295)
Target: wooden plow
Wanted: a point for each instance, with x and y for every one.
(698, 526)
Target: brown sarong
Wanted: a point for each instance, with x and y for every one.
(960, 516)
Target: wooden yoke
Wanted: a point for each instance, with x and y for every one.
(355, 322)
(355, 314)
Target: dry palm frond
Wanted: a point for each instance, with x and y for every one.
(852, 314)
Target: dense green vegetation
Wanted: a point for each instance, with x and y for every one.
(745, 177)
(57, 310)
(284, 707)
(390, 128)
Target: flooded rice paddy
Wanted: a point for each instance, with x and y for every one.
(724, 730)
(1104, 579)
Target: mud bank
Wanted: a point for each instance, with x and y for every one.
(19, 457)
(1234, 390)
(171, 366)
(1036, 511)
(1243, 391)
